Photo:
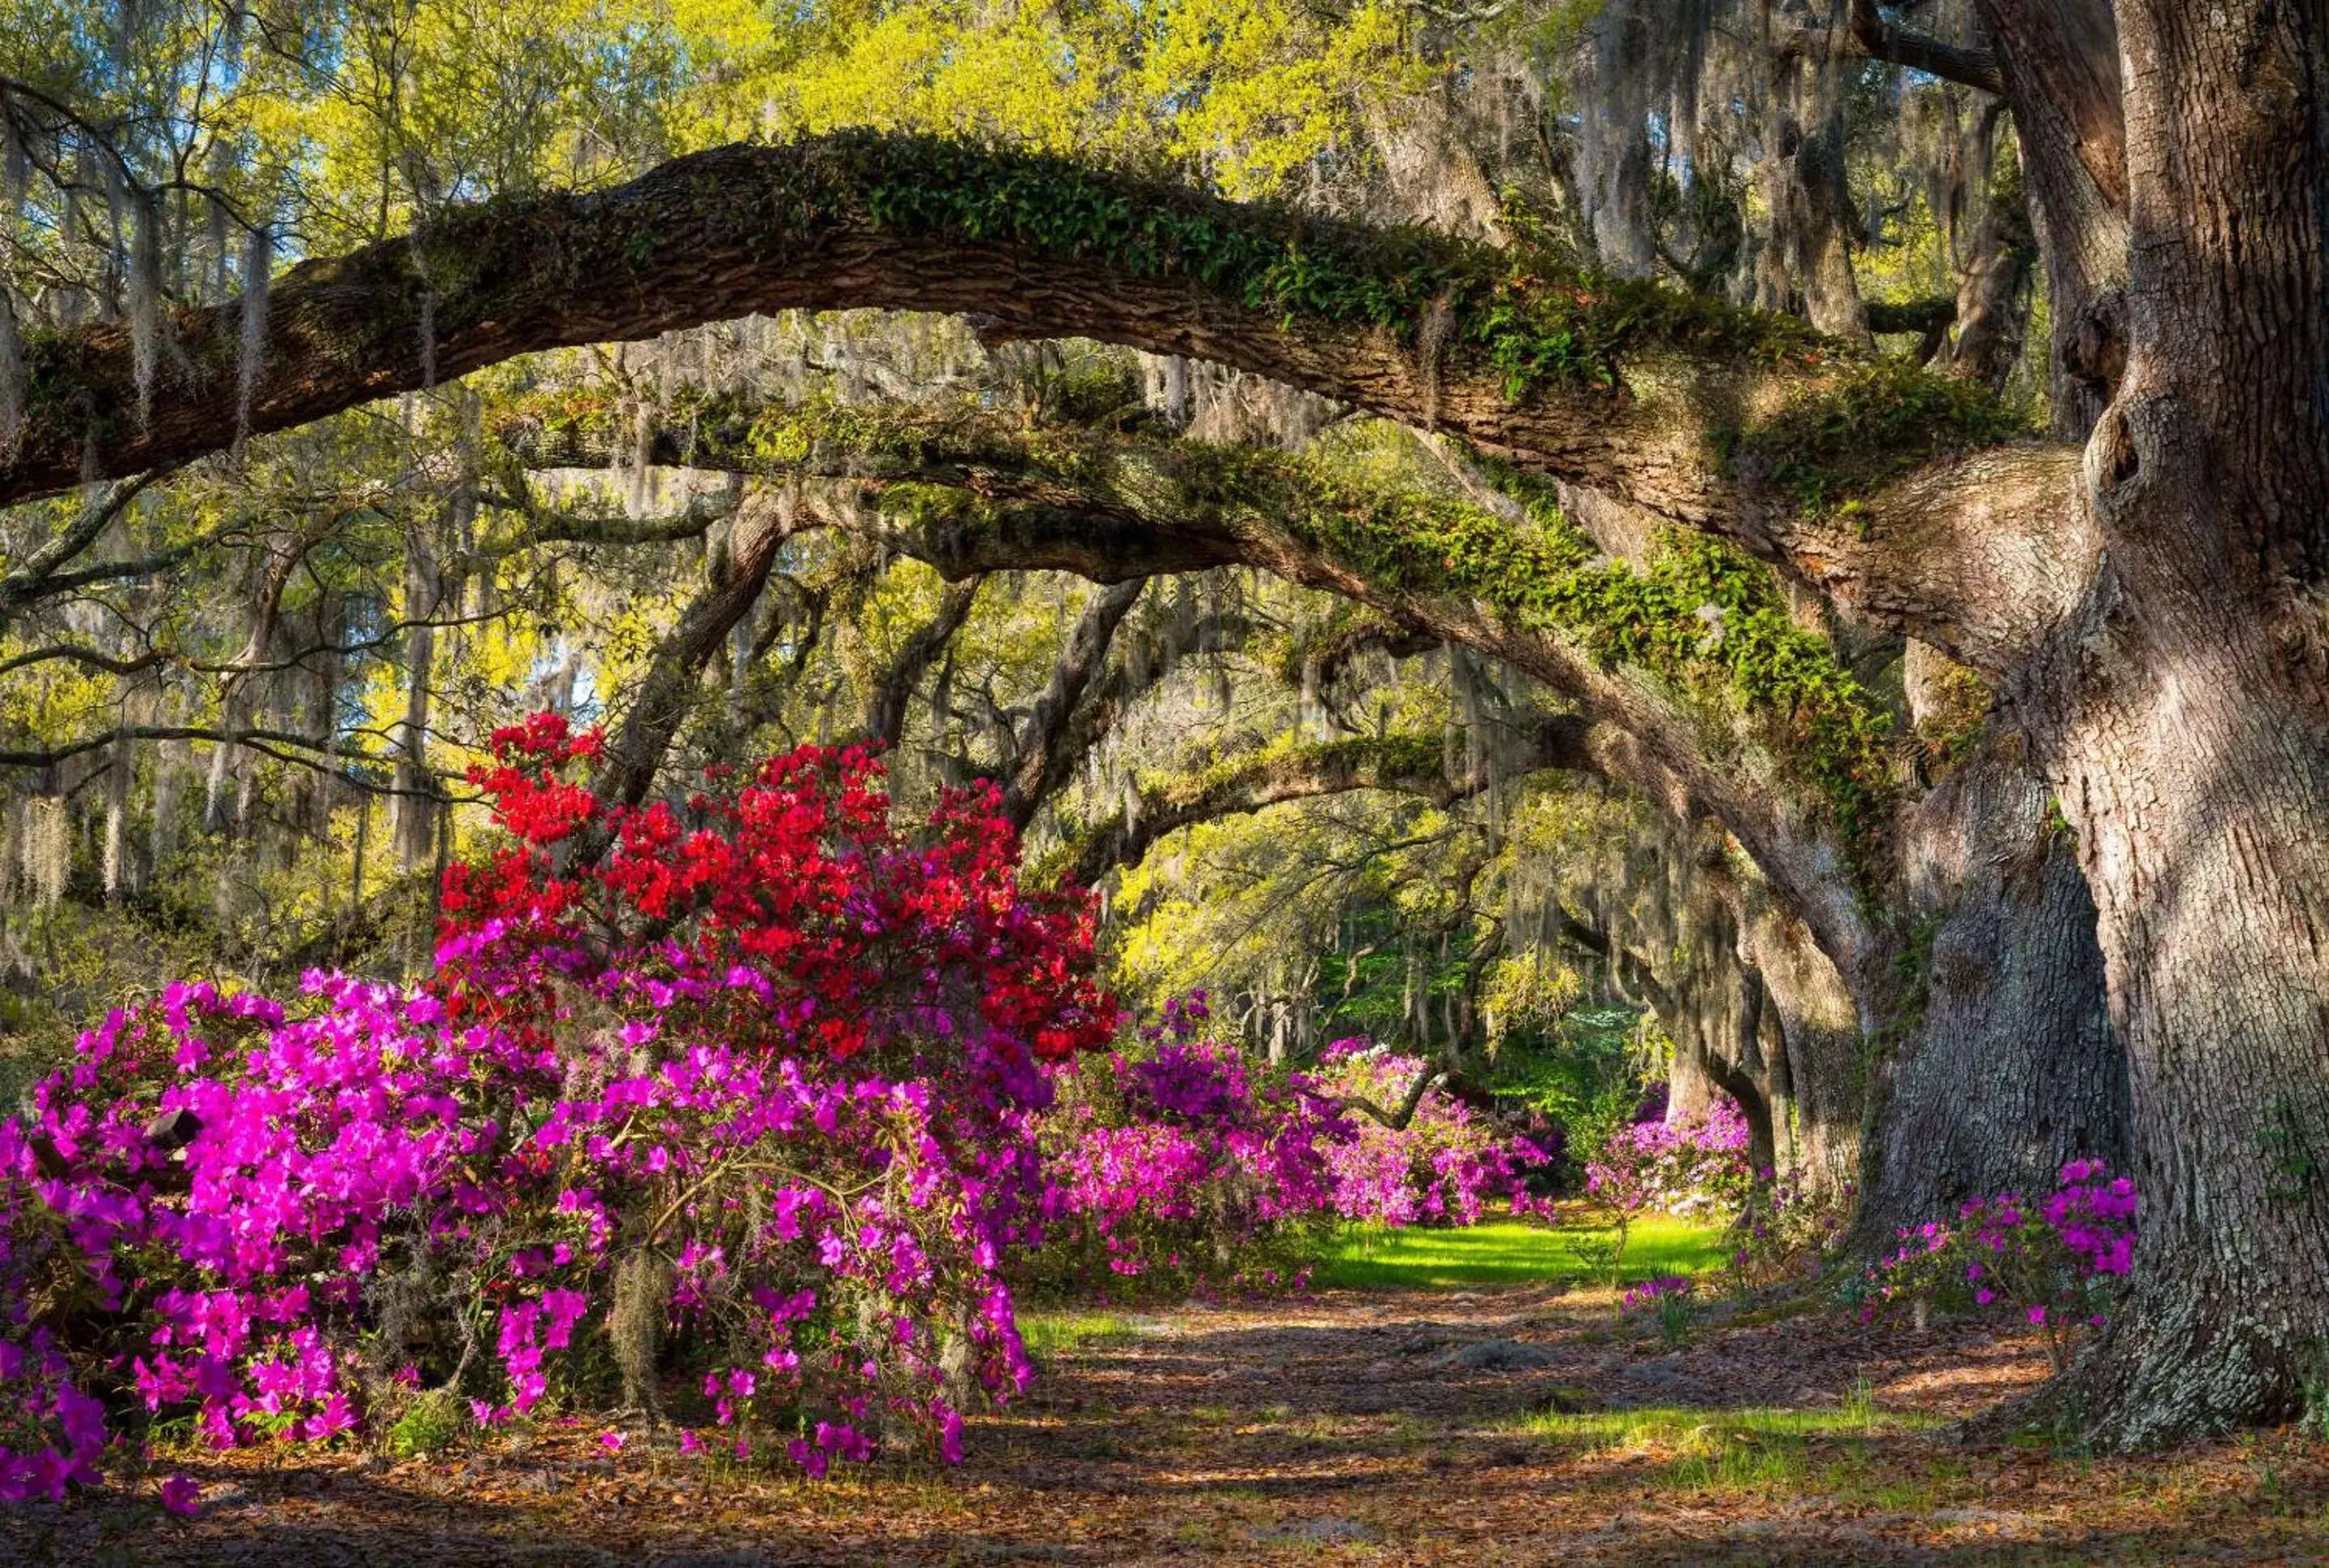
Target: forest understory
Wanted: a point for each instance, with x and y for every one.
(1491, 1424)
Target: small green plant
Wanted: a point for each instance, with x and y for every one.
(1783, 1233)
(1668, 1302)
(1674, 1319)
(2315, 1395)
(1729, 1456)
(1860, 1405)
(1600, 1256)
(433, 1422)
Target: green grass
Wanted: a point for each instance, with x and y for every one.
(1718, 1449)
(1505, 1252)
(1049, 1333)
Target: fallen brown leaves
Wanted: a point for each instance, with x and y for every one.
(1347, 1428)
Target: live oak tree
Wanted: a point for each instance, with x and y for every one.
(2143, 596)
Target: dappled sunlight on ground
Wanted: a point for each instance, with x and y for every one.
(1517, 1424)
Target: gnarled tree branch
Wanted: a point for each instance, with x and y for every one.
(967, 495)
(1618, 386)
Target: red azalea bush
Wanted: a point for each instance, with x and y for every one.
(766, 1069)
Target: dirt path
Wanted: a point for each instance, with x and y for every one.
(1490, 1427)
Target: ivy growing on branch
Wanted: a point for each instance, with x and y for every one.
(1701, 616)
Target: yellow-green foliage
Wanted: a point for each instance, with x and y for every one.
(1529, 990)
(1249, 91)
(1786, 678)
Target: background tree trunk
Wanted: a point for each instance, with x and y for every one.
(2061, 70)
(2002, 1064)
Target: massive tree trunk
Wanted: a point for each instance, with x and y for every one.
(2186, 721)
(2001, 1065)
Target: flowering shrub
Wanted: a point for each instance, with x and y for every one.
(1180, 1162)
(1183, 1163)
(2055, 1263)
(1666, 1302)
(1785, 1229)
(1444, 1167)
(1650, 1294)
(767, 1070)
(1694, 1166)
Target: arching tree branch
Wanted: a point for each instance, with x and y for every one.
(1626, 388)
(967, 495)
(317, 752)
(1412, 765)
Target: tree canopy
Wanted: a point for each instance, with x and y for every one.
(1802, 522)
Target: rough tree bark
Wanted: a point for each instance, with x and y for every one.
(2185, 716)
(2001, 1065)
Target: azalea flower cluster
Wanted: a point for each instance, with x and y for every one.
(1179, 1161)
(2055, 1262)
(1692, 1165)
(1445, 1166)
(762, 1069)
(1651, 1294)
(1666, 1302)
(1182, 1162)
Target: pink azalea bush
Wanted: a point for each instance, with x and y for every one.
(1695, 1164)
(2055, 1263)
(1445, 1166)
(1180, 1162)
(766, 1074)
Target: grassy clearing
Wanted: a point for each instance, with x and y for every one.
(1732, 1449)
(1509, 1253)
